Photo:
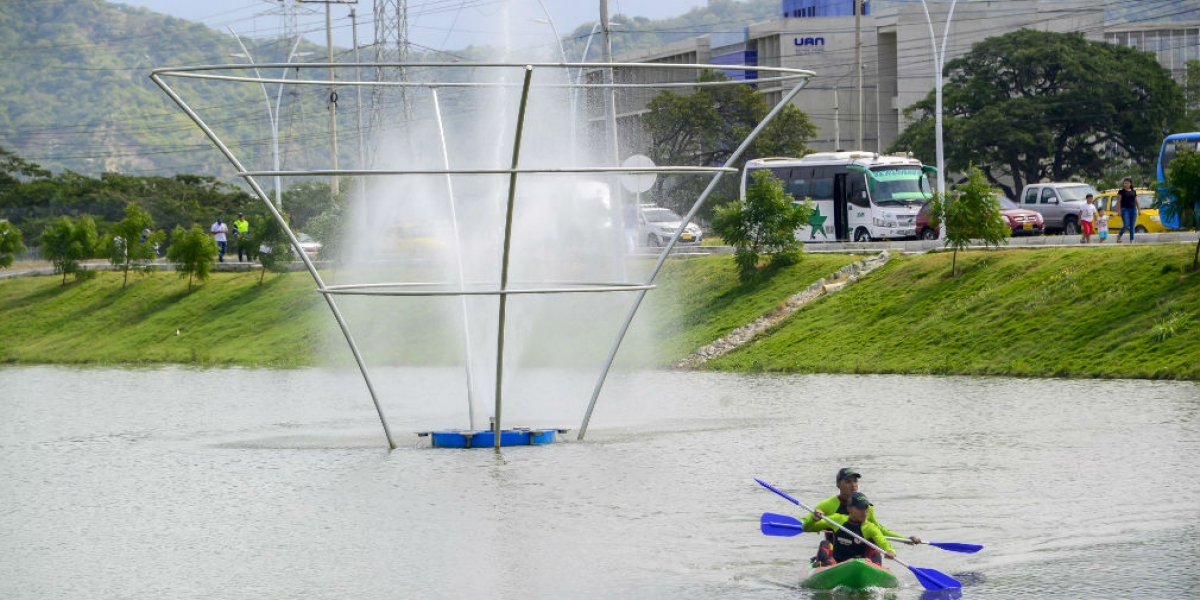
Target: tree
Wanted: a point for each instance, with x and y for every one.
(10, 244)
(970, 213)
(274, 247)
(67, 243)
(1191, 92)
(705, 127)
(765, 223)
(1042, 106)
(327, 228)
(1180, 196)
(125, 253)
(307, 200)
(193, 251)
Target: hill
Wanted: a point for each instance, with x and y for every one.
(1116, 311)
(76, 92)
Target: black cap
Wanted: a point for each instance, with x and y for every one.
(858, 500)
(847, 472)
(239, 214)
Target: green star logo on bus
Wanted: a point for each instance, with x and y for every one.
(817, 221)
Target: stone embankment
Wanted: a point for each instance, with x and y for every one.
(829, 285)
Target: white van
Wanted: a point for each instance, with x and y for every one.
(860, 196)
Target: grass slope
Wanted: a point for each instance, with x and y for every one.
(1118, 311)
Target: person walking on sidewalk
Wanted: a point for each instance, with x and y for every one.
(1129, 208)
(1087, 216)
(219, 229)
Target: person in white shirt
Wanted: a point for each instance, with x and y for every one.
(1086, 216)
(219, 229)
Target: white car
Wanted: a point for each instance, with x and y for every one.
(310, 246)
(656, 225)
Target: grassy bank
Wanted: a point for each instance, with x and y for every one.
(1071, 312)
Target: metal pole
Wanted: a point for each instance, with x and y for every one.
(858, 68)
(610, 96)
(938, 63)
(662, 257)
(333, 183)
(508, 221)
(308, 264)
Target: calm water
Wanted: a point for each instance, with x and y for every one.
(177, 483)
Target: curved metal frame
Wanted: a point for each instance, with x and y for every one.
(212, 72)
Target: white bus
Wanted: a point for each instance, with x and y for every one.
(860, 196)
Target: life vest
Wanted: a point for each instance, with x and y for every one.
(846, 546)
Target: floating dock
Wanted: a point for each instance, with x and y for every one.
(486, 438)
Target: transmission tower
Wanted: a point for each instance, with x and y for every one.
(391, 46)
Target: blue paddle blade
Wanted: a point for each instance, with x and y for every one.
(935, 580)
(956, 547)
(782, 525)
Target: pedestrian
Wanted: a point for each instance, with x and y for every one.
(1087, 214)
(1102, 225)
(1129, 208)
(241, 230)
(219, 229)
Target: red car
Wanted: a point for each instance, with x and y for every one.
(1020, 220)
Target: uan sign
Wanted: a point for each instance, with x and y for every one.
(808, 45)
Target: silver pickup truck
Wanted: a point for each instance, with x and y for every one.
(1059, 203)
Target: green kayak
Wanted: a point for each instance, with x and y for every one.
(855, 574)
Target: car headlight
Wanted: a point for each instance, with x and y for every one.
(666, 229)
(878, 222)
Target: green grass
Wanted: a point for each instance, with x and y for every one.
(1057, 312)
(1120, 311)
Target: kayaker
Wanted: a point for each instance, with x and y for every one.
(845, 546)
(847, 484)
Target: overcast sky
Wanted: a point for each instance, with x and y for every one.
(439, 24)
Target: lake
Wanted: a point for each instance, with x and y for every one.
(269, 484)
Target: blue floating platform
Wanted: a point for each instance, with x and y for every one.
(486, 438)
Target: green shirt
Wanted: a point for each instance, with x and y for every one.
(830, 506)
(870, 531)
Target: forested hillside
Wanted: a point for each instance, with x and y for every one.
(77, 96)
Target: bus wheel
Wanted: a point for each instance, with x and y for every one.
(862, 235)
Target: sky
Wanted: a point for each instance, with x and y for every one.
(437, 24)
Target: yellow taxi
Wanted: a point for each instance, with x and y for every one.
(1147, 221)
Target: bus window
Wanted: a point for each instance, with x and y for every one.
(858, 190)
(899, 186)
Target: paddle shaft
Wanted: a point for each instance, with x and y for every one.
(827, 519)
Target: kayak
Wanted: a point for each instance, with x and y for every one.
(856, 574)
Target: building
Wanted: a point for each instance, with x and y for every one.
(897, 54)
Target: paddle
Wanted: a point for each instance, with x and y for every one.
(787, 526)
(951, 546)
(930, 579)
(783, 525)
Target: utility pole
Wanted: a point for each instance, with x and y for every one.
(610, 95)
(391, 48)
(333, 97)
(858, 6)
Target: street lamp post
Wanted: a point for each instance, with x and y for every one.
(939, 60)
(272, 109)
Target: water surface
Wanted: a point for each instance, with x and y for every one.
(257, 484)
